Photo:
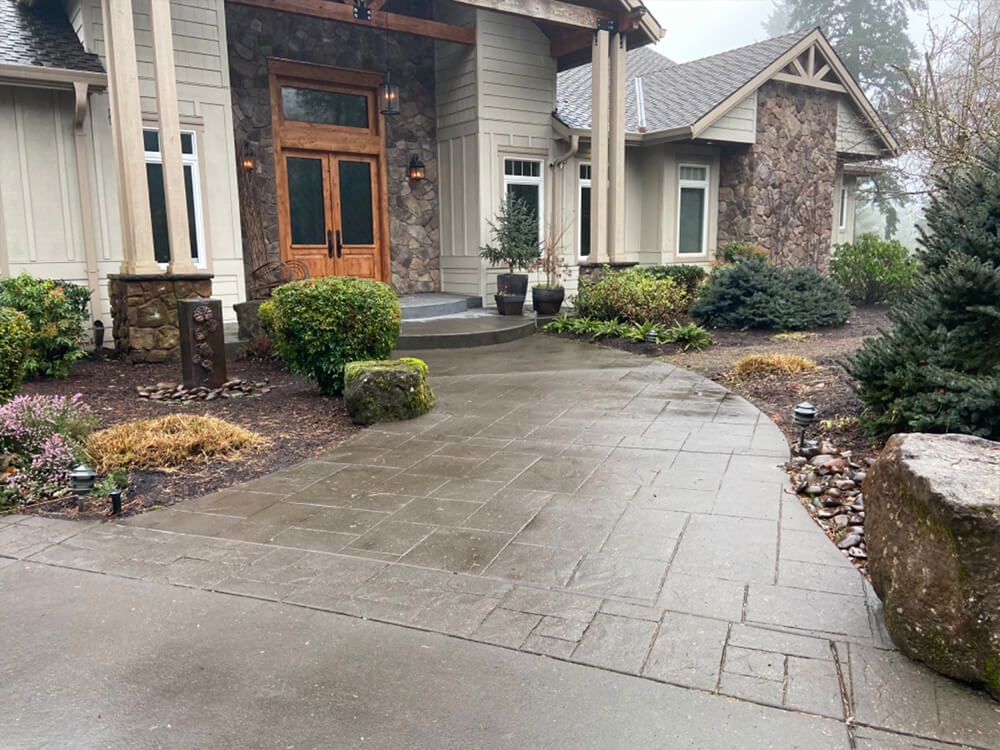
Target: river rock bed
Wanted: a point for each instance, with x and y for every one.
(234, 388)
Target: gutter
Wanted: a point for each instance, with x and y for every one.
(36, 76)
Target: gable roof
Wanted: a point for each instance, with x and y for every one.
(41, 37)
(690, 96)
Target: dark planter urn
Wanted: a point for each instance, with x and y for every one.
(547, 301)
(509, 304)
(515, 284)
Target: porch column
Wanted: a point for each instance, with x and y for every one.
(170, 139)
(126, 127)
(599, 148)
(616, 155)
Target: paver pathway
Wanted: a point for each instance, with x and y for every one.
(563, 500)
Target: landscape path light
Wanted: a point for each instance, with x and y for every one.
(803, 416)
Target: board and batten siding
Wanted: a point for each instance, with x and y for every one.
(738, 125)
(853, 135)
(205, 105)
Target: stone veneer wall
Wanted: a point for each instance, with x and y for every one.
(144, 310)
(778, 192)
(256, 34)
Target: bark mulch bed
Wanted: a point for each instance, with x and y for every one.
(297, 421)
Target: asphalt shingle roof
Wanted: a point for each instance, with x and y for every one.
(43, 37)
(676, 95)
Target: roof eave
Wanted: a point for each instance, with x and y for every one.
(36, 76)
(644, 139)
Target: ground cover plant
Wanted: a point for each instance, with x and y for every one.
(752, 293)
(41, 439)
(169, 441)
(56, 311)
(872, 270)
(938, 368)
(317, 326)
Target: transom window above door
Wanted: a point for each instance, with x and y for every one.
(339, 108)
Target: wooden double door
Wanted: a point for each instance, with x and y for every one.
(333, 205)
(330, 170)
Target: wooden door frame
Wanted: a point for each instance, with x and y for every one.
(331, 138)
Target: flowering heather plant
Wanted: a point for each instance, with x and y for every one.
(42, 438)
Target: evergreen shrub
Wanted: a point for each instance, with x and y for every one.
(15, 338)
(872, 270)
(631, 295)
(317, 326)
(686, 275)
(752, 293)
(57, 311)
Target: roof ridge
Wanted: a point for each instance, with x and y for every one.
(797, 35)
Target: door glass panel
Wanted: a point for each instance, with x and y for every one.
(691, 220)
(325, 107)
(305, 201)
(356, 202)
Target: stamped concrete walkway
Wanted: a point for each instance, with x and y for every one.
(567, 501)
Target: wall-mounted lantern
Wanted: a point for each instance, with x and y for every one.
(417, 170)
(248, 160)
(388, 96)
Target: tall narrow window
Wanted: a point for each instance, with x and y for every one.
(157, 200)
(523, 178)
(584, 212)
(843, 208)
(692, 210)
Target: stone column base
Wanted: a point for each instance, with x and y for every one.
(144, 311)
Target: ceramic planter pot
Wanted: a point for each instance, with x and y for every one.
(547, 301)
(509, 304)
(515, 284)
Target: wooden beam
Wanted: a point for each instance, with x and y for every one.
(553, 11)
(813, 82)
(571, 41)
(376, 4)
(344, 13)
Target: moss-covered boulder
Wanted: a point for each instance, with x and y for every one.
(386, 390)
(932, 529)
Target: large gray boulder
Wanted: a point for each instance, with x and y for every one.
(386, 390)
(932, 528)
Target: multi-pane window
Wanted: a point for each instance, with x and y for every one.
(584, 212)
(692, 210)
(523, 178)
(157, 200)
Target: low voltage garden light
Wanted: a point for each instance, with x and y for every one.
(803, 416)
(81, 482)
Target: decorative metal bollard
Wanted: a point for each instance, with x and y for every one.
(81, 481)
(203, 345)
(803, 416)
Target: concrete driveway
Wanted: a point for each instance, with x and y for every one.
(598, 548)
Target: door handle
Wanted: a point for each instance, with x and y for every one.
(329, 244)
(340, 245)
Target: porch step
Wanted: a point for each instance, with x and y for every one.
(462, 330)
(436, 304)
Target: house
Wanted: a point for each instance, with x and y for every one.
(159, 149)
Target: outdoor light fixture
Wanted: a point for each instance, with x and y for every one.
(652, 336)
(247, 158)
(388, 96)
(803, 416)
(116, 502)
(417, 169)
(81, 482)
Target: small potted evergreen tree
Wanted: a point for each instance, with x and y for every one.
(547, 298)
(515, 234)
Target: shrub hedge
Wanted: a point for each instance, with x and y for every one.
(15, 338)
(631, 295)
(317, 326)
(872, 270)
(57, 311)
(685, 274)
(754, 294)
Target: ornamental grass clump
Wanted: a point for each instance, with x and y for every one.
(41, 440)
(762, 365)
(317, 326)
(169, 442)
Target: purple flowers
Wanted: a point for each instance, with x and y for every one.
(41, 439)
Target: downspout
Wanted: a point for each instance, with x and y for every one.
(574, 146)
(80, 91)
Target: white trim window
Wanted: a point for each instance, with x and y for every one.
(692, 209)
(583, 215)
(523, 178)
(157, 201)
(843, 208)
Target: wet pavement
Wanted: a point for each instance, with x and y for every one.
(562, 500)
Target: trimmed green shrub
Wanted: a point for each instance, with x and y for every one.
(938, 368)
(317, 326)
(754, 294)
(733, 252)
(873, 270)
(387, 390)
(686, 275)
(57, 311)
(631, 295)
(15, 338)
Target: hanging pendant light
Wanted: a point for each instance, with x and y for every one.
(388, 96)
